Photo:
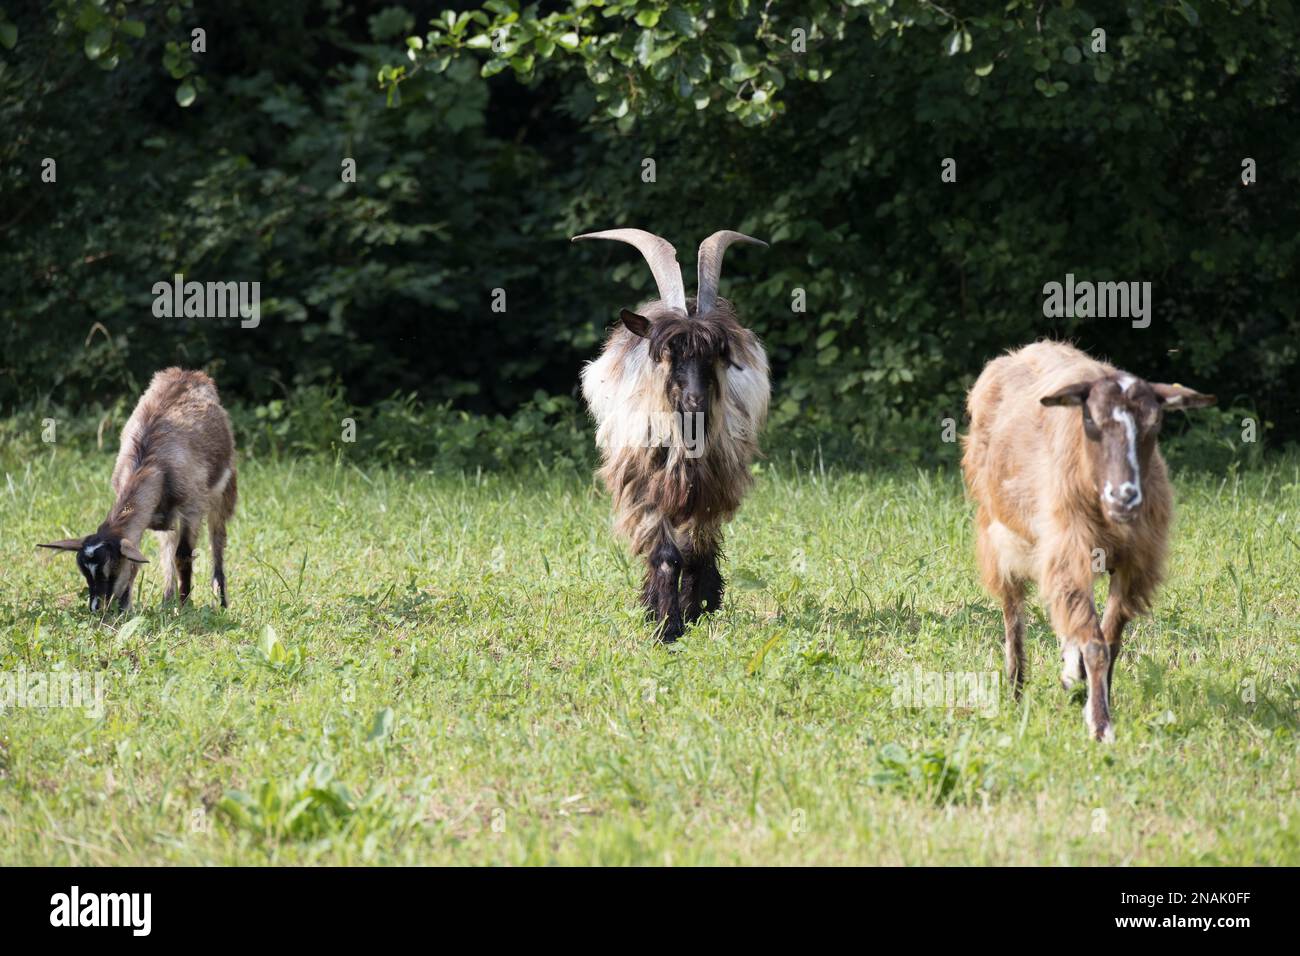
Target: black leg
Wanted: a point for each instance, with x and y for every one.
(660, 593)
(124, 599)
(702, 586)
(185, 561)
(217, 536)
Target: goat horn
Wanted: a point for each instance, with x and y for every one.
(661, 257)
(709, 269)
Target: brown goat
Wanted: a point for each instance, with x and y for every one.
(175, 466)
(1062, 497)
(679, 395)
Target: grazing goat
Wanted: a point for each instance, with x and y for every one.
(679, 395)
(176, 465)
(1061, 497)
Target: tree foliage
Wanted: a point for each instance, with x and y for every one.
(485, 137)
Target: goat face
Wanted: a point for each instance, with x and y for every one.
(692, 354)
(1122, 415)
(104, 560)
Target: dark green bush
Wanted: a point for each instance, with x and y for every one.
(1124, 165)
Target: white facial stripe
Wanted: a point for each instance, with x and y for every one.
(1126, 382)
(1125, 418)
(90, 549)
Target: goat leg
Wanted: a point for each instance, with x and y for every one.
(661, 593)
(702, 586)
(1013, 619)
(1074, 617)
(185, 560)
(167, 544)
(124, 599)
(1119, 611)
(1096, 712)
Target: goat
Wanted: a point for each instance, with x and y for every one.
(1060, 498)
(176, 465)
(679, 395)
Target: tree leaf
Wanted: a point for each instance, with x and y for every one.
(645, 47)
(97, 41)
(680, 21)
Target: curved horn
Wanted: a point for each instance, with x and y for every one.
(709, 269)
(661, 257)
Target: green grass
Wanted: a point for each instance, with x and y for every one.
(456, 672)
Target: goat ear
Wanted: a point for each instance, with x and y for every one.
(1178, 396)
(636, 324)
(132, 553)
(67, 544)
(1075, 394)
(725, 357)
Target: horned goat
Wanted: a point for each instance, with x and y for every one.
(679, 395)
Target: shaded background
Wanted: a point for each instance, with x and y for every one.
(476, 164)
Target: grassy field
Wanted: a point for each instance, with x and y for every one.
(418, 669)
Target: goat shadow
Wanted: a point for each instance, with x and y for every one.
(898, 621)
(1143, 678)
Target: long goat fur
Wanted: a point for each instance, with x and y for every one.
(660, 486)
(663, 490)
(1045, 505)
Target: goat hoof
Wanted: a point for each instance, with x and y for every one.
(672, 631)
(696, 615)
(1072, 670)
(1100, 731)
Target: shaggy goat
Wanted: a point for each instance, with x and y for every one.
(679, 395)
(176, 465)
(1061, 497)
